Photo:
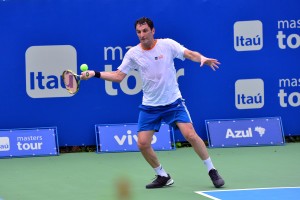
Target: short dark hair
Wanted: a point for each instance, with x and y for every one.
(144, 20)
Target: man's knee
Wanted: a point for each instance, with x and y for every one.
(144, 145)
(143, 142)
(191, 136)
(188, 132)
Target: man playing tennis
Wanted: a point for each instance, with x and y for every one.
(162, 100)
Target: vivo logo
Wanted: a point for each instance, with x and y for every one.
(130, 139)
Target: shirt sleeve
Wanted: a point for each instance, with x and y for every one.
(127, 63)
(177, 49)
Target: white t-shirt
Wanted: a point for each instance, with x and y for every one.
(157, 71)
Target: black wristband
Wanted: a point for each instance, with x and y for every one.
(97, 74)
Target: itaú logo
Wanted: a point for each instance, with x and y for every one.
(248, 35)
(249, 93)
(130, 138)
(44, 66)
(4, 144)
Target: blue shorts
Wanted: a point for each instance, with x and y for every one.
(151, 117)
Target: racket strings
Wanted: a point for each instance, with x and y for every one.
(71, 82)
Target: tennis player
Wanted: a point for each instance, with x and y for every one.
(162, 99)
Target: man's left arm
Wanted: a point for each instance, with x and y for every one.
(197, 57)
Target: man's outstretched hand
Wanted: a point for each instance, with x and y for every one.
(213, 63)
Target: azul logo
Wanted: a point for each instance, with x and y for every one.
(4, 144)
(44, 66)
(261, 131)
(248, 35)
(239, 133)
(249, 93)
(130, 138)
(244, 133)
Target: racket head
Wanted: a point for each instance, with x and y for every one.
(71, 81)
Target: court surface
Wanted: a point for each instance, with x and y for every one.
(81, 176)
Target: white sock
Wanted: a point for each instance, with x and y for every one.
(160, 171)
(208, 163)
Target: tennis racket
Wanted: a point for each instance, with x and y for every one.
(71, 81)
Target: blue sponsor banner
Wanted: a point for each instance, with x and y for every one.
(245, 132)
(123, 137)
(40, 39)
(28, 142)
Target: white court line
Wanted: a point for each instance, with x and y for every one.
(214, 198)
(206, 195)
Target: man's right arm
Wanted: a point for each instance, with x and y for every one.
(197, 57)
(114, 76)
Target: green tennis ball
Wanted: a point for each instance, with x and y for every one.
(178, 144)
(84, 67)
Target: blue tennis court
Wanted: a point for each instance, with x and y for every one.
(277, 193)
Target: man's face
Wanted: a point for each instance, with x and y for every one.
(145, 34)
